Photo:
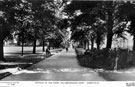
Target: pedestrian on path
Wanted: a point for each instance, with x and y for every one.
(66, 48)
(48, 51)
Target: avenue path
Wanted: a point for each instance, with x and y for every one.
(62, 66)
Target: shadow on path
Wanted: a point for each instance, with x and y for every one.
(62, 66)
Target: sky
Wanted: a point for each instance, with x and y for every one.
(1, 13)
(127, 44)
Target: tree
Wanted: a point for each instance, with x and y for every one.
(85, 15)
(7, 20)
(100, 30)
(24, 18)
(3, 30)
(43, 19)
(127, 12)
(114, 22)
(107, 11)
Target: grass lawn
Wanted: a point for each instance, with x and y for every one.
(14, 60)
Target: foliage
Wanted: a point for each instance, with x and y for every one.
(104, 59)
(105, 14)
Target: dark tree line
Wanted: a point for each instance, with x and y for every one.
(29, 20)
(101, 19)
(90, 21)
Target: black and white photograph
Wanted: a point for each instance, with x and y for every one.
(67, 40)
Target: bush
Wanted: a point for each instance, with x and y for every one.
(106, 59)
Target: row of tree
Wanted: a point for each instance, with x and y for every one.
(90, 21)
(30, 20)
(93, 21)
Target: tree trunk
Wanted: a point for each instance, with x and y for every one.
(134, 43)
(18, 42)
(1, 49)
(132, 25)
(98, 41)
(22, 48)
(98, 45)
(110, 23)
(85, 44)
(88, 45)
(43, 46)
(22, 40)
(92, 44)
(1, 45)
(34, 46)
(109, 41)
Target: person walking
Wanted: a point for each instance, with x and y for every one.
(66, 48)
(48, 51)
